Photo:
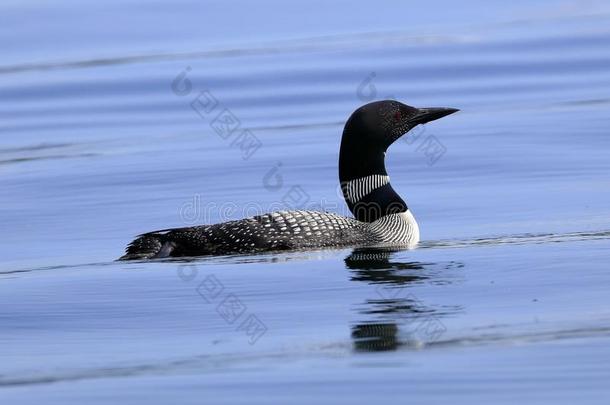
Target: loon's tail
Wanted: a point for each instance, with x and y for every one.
(148, 246)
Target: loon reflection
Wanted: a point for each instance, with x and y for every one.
(395, 317)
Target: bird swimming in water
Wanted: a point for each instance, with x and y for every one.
(381, 217)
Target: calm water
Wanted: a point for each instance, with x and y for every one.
(506, 299)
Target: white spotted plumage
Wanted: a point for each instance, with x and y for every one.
(281, 230)
(289, 230)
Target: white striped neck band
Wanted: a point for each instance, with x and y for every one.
(358, 188)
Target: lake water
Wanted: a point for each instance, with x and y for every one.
(107, 130)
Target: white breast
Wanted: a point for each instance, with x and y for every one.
(397, 229)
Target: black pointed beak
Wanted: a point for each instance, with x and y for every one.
(430, 114)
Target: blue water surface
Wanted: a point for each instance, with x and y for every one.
(107, 130)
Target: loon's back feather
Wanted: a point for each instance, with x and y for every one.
(282, 230)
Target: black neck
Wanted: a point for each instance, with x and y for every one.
(359, 158)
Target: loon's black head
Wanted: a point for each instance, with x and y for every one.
(379, 124)
(372, 128)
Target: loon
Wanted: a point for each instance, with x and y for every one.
(381, 217)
